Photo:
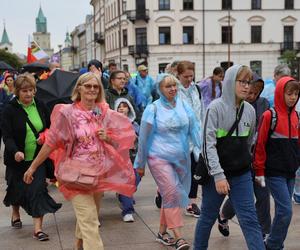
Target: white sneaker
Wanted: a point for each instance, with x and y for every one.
(128, 218)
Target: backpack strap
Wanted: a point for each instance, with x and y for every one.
(199, 91)
(273, 121)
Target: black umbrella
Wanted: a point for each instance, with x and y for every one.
(35, 67)
(57, 88)
(5, 66)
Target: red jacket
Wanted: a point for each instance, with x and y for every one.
(278, 154)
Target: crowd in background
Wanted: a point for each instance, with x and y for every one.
(242, 131)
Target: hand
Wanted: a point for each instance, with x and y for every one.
(28, 176)
(103, 135)
(140, 171)
(222, 187)
(39, 141)
(260, 180)
(19, 156)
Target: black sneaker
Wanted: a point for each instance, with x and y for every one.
(157, 200)
(193, 210)
(223, 226)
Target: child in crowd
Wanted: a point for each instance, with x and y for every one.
(123, 105)
(276, 157)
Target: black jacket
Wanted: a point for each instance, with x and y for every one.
(14, 128)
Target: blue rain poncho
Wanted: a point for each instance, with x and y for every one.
(164, 134)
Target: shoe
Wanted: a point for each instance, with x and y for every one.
(223, 226)
(128, 218)
(193, 210)
(165, 239)
(157, 200)
(17, 223)
(41, 236)
(296, 202)
(181, 244)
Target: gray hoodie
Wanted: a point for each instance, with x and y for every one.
(220, 116)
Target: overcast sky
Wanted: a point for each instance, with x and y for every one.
(62, 15)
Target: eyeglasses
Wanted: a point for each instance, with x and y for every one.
(243, 83)
(90, 86)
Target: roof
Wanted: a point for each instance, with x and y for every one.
(5, 39)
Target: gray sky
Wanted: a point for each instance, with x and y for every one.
(61, 15)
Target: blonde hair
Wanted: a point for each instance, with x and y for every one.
(83, 79)
(243, 72)
(25, 80)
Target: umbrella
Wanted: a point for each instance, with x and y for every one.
(57, 88)
(5, 66)
(35, 67)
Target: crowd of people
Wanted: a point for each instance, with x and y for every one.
(118, 124)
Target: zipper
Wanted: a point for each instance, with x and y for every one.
(289, 122)
(236, 118)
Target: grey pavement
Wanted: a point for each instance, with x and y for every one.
(114, 232)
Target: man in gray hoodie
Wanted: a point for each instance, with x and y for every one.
(228, 132)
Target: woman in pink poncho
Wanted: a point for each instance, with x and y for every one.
(88, 131)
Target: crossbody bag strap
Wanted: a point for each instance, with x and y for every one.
(32, 127)
(237, 121)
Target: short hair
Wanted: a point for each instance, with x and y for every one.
(25, 80)
(113, 75)
(218, 70)
(96, 63)
(174, 64)
(282, 70)
(292, 86)
(112, 64)
(83, 79)
(185, 65)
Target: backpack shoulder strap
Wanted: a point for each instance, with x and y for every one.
(273, 121)
(199, 90)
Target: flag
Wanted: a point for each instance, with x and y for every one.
(34, 52)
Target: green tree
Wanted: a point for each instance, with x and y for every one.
(290, 58)
(11, 59)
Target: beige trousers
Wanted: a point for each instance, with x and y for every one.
(86, 209)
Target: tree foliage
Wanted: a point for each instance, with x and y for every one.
(290, 58)
(11, 59)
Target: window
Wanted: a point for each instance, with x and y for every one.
(162, 67)
(226, 65)
(256, 4)
(226, 4)
(164, 35)
(125, 37)
(256, 67)
(288, 37)
(255, 34)
(125, 68)
(289, 4)
(164, 5)
(188, 35)
(188, 4)
(226, 34)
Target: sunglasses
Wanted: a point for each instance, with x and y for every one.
(90, 86)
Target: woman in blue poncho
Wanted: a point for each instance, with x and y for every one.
(166, 127)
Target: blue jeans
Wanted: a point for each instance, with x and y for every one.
(128, 202)
(242, 199)
(281, 190)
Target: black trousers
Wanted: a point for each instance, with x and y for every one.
(194, 185)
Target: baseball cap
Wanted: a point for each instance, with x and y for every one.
(142, 67)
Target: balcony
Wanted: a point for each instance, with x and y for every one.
(289, 46)
(136, 15)
(138, 51)
(99, 37)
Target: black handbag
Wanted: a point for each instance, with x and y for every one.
(201, 175)
(48, 163)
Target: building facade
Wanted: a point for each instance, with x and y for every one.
(5, 44)
(208, 33)
(41, 36)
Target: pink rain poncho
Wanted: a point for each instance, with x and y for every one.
(75, 130)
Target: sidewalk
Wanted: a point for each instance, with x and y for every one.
(114, 232)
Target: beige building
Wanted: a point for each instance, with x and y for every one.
(208, 33)
(41, 36)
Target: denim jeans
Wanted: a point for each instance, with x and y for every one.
(242, 199)
(297, 187)
(281, 190)
(128, 202)
(262, 204)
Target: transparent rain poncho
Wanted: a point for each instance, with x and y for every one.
(76, 129)
(164, 144)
